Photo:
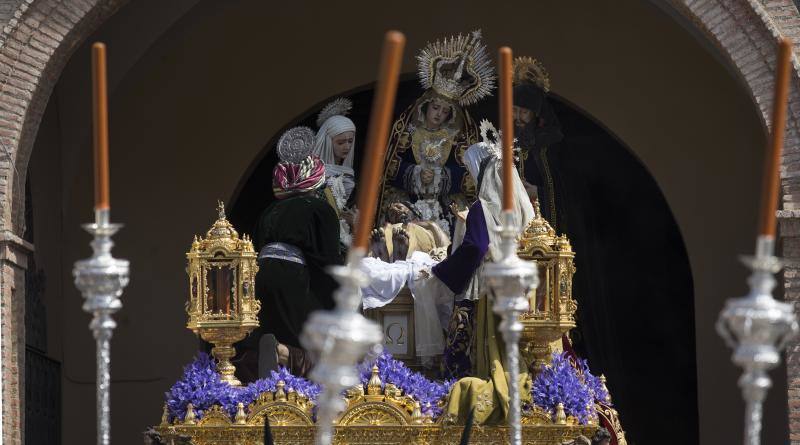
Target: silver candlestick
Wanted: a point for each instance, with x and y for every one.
(510, 279)
(338, 339)
(101, 279)
(757, 327)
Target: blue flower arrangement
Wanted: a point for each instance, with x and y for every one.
(574, 386)
(201, 386)
(429, 393)
(560, 382)
(596, 387)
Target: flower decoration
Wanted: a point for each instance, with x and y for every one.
(201, 386)
(429, 393)
(560, 382)
(596, 387)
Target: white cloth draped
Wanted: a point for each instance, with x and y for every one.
(432, 306)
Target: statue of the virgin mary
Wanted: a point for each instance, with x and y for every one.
(424, 162)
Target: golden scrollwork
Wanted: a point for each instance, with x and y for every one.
(281, 408)
(360, 434)
(612, 418)
(381, 414)
(553, 308)
(381, 405)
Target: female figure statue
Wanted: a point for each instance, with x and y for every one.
(424, 163)
(335, 147)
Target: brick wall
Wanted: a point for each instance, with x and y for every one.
(14, 254)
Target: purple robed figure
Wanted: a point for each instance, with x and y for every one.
(457, 269)
(475, 242)
(456, 272)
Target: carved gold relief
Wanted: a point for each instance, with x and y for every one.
(222, 306)
(553, 308)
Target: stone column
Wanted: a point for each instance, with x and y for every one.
(14, 254)
(789, 221)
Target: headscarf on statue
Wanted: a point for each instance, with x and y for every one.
(333, 122)
(484, 161)
(298, 172)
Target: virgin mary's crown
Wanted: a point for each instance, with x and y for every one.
(457, 68)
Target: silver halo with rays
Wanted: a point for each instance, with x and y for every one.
(340, 106)
(296, 144)
(445, 66)
(495, 146)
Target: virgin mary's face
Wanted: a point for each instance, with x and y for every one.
(522, 116)
(342, 144)
(436, 113)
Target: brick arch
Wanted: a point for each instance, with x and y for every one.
(37, 39)
(39, 36)
(35, 45)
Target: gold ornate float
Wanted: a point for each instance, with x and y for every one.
(382, 415)
(377, 412)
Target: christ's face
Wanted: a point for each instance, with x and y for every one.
(436, 114)
(522, 116)
(342, 144)
(398, 213)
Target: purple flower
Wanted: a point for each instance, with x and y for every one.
(429, 393)
(596, 387)
(201, 386)
(560, 383)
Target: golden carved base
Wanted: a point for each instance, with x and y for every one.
(381, 415)
(361, 434)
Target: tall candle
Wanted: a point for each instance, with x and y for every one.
(507, 125)
(377, 135)
(772, 177)
(102, 199)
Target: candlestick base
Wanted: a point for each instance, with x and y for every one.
(101, 279)
(757, 327)
(510, 279)
(338, 339)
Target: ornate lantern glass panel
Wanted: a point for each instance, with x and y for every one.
(222, 307)
(553, 309)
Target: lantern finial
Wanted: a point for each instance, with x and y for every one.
(222, 307)
(221, 209)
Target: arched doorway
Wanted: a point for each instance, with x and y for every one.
(630, 257)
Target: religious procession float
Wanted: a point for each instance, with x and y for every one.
(450, 320)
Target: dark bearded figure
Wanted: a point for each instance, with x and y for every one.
(538, 133)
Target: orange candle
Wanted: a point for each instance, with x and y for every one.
(377, 135)
(507, 125)
(100, 112)
(772, 176)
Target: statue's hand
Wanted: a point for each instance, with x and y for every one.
(349, 216)
(426, 175)
(533, 191)
(459, 212)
